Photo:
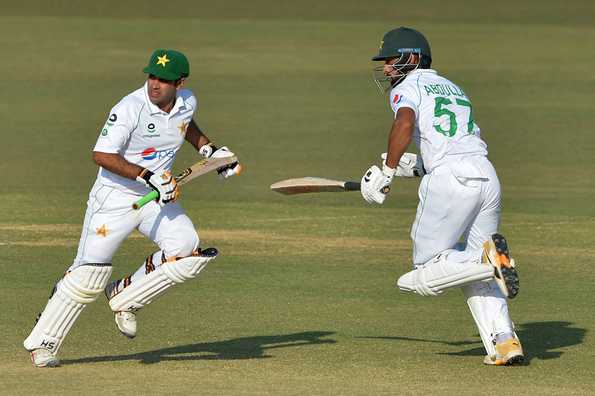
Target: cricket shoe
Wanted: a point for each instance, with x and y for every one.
(41, 357)
(125, 320)
(126, 323)
(495, 252)
(508, 353)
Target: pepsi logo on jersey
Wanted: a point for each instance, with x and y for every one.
(152, 153)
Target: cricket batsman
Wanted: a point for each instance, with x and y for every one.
(135, 151)
(459, 197)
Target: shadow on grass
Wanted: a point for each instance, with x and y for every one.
(237, 348)
(539, 339)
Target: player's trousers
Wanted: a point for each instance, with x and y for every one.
(110, 219)
(459, 208)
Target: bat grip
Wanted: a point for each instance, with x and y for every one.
(145, 200)
(352, 186)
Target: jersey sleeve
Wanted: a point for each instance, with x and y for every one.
(117, 129)
(189, 99)
(405, 95)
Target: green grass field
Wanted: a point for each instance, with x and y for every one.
(302, 299)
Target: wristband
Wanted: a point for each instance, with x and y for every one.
(387, 170)
(144, 176)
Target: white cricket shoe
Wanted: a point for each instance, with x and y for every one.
(495, 252)
(41, 357)
(126, 322)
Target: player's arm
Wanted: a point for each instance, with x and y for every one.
(162, 182)
(115, 163)
(376, 182)
(196, 137)
(400, 136)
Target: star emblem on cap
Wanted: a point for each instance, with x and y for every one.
(162, 60)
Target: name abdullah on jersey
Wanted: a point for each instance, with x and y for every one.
(444, 123)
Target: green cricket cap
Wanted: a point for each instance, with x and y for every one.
(400, 40)
(168, 64)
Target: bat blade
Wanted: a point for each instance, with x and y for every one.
(303, 185)
(200, 168)
(205, 166)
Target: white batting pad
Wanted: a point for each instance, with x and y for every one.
(143, 291)
(440, 274)
(490, 312)
(79, 287)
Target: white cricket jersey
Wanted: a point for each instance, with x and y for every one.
(144, 135)
(444, 124)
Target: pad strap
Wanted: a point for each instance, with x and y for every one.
(145, 290)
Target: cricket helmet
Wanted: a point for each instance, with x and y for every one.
(409, 48)
(403, 40)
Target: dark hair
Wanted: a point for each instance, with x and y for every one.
(425, 62)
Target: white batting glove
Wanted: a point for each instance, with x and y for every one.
(376, 184)
(410, 165)
(227, 170)
(163, 182)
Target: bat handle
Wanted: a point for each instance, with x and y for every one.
(145, 200)
(352, 186)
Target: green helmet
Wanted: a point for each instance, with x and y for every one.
(404, 40)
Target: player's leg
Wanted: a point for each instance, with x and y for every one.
(486, 301)
(446, 271)
(446, 209)
(103, 231)
(455, 268)
(71, 294)
(178, 260)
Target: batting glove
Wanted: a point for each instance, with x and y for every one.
(164, 183)
(410, 165)
(227, 170)
(376, 184)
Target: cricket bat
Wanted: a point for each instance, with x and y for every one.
(200, 168)
(313, 185)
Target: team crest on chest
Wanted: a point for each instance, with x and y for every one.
(183, 127)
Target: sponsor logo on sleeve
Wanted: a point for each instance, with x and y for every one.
(397, 99)
(110, 121)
